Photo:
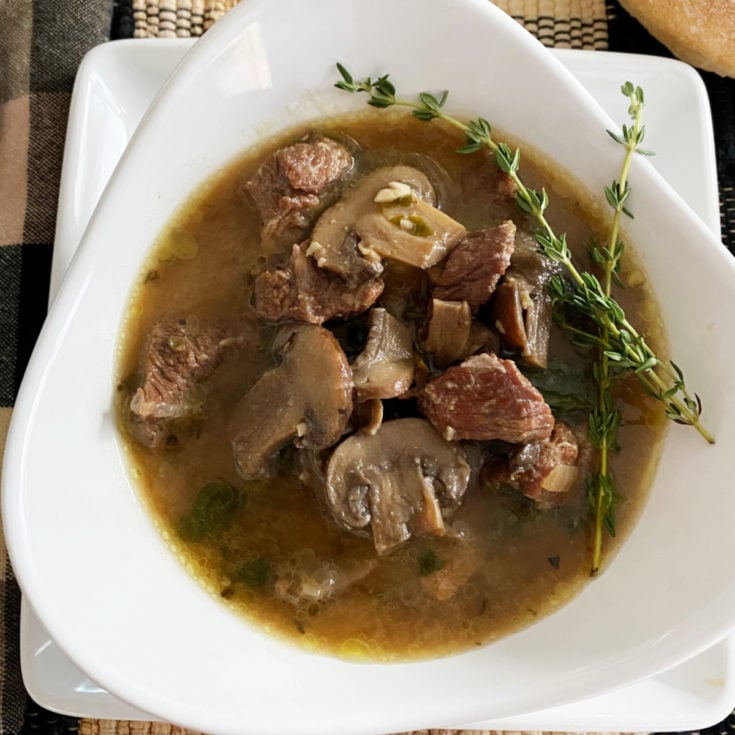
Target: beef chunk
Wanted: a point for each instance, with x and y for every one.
(290, 184)
(307, 293)
(485, 398)
(177, 360)
(474, 267)
(544, 471)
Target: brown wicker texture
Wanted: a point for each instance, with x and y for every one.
(580, 24)
(124, 727)
(177, 18)
(559, 23)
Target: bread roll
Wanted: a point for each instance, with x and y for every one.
(700, 32)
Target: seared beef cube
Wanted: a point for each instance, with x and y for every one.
(486, 398)
(289, 185)
(177, 360)
(544, 471)
(307, 293)
(475, 265)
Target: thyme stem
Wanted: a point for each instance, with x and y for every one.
(626, 348)
(604, 421)
(620, 346)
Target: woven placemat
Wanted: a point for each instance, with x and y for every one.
(560, 23)
(175, 18)
(116, 727)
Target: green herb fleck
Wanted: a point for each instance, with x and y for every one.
(214, 508)
(254, 573)
(429, 563)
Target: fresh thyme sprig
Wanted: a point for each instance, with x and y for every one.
(581, 291)
(605, 417)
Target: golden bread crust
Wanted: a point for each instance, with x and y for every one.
(700, 32)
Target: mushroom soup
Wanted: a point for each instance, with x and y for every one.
(346, 402)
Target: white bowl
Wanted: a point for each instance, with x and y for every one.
(85, 551)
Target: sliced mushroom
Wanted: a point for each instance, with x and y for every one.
(367, 417)
(522, 304)
(405, 289)
(512, 298)
(523, 316)
(384, 369)
(307, 399)
(331, 244)
(402, 481)
(414, 233)
(449, 331)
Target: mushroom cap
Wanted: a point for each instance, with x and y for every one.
(331, 246)
(307, 398)
(400, 481)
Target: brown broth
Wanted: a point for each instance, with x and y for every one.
(531, 561)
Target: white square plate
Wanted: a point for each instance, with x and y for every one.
(114, 87)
